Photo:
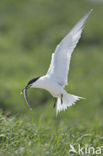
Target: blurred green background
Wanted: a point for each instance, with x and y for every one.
(29, 33)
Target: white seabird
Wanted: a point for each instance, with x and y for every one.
(56, 78)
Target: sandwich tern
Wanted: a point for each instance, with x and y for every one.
(57, 75)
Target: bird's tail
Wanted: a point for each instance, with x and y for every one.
(68, 100)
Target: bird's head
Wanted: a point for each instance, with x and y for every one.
(29, 85)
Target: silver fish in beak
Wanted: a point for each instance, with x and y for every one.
(24, 91)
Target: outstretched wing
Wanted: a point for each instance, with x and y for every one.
(60, 61)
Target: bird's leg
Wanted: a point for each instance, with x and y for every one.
(54, 102)
(61, 98)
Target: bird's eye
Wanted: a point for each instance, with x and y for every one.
(30, 85)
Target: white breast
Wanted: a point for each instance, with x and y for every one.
(46, 83)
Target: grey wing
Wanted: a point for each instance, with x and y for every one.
(60, 61)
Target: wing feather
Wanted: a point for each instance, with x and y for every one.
(60, 61)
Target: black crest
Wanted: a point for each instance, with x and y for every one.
(33, 80)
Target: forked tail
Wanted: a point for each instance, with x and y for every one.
(68, 100)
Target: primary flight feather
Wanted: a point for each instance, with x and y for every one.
(57, 76)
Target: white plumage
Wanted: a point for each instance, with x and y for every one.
(57, 76)
(59, 66)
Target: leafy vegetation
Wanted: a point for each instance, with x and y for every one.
(29, 33)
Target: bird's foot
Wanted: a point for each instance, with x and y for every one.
(61, 98)
(54, 102)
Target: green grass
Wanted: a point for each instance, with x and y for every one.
(45, 136)
(29, 33)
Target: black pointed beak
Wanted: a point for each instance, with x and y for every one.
(24, 91)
